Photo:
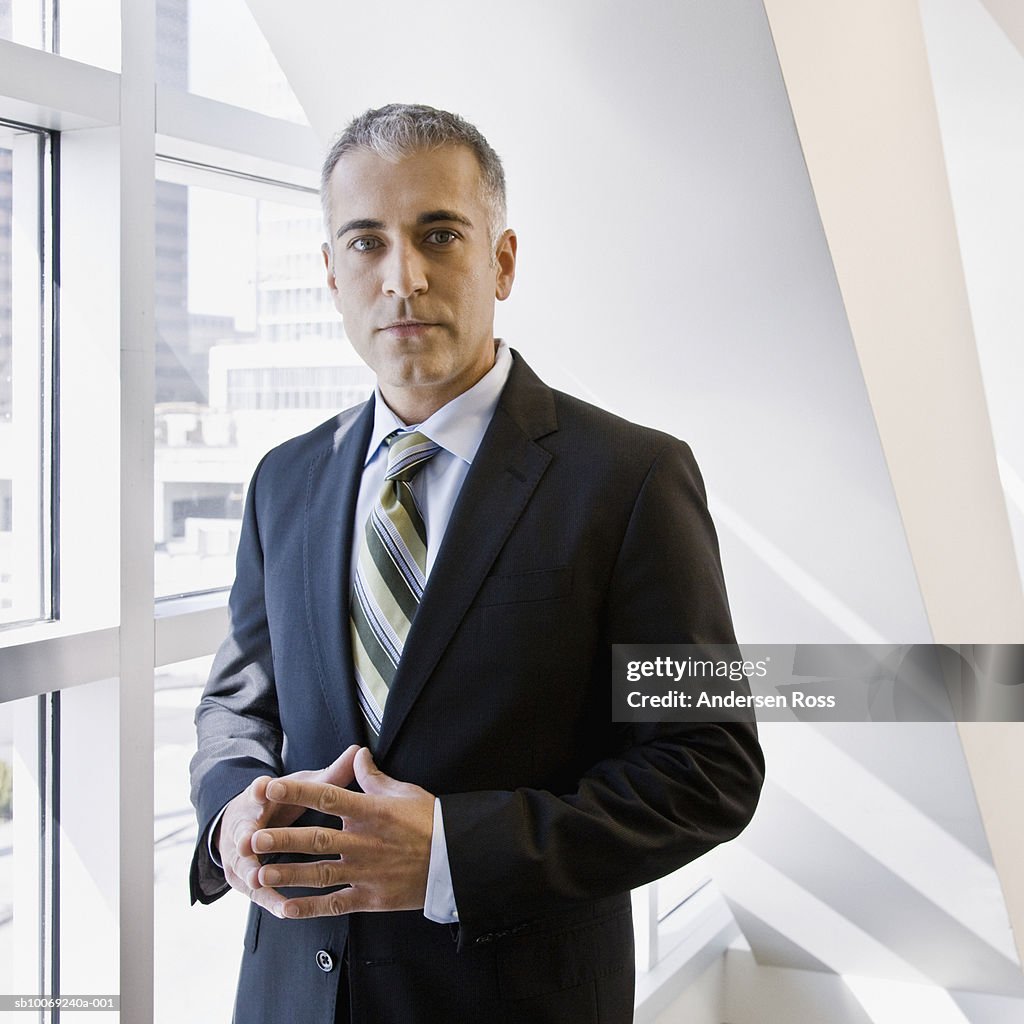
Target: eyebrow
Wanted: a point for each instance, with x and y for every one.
(362, 224)
(431, 217)
(437, 215)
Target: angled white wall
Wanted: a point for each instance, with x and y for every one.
(858, 79)
(862, 91)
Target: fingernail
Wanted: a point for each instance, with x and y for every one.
(271, 876)
(263, 841)
(290, 910)
(277, 790)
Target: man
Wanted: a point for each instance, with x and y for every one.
(427, 593)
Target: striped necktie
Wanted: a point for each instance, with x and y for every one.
(389, 577)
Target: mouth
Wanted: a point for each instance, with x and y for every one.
(406, 328)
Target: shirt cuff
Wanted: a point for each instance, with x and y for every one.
(439, 903)
(209, 837)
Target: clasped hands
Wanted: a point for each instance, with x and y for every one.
(382, 842)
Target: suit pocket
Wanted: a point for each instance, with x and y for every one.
(535, 964)
(252, 929)
(538, 585)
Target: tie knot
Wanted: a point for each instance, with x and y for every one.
(407, 454)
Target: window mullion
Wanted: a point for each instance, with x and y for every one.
(137, 342)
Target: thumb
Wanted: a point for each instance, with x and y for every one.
(339, 772)
(370, 778)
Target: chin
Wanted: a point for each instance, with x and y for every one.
(413, 372)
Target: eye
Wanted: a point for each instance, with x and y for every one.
(442, 236)
(364, 244)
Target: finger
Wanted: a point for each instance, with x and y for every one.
(338, 773)
(257, 791)
(241, 835)
(269, 899)
(312, 839)
(318, 796)
(242, 873)
(239, 854)
(332, 904)
(243, 813)
(254, 805)
(245, 864)
(344, 901)
(320, 874)
(248, 869)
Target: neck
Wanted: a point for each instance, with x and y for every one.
(409, 409)
(413, 404)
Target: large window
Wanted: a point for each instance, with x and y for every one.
(25, 360)
(249, 351)
(189, 342)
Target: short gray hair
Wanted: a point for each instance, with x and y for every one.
(401, 129)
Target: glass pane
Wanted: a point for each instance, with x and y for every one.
(24, 456)
(6, 848)
(6, 249)
(250, 351)
(21, 21)
(21, 906)
(90, 31)
(7, 574)
(216, 49)
(198, 949)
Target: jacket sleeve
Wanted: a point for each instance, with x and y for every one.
(238, 730)
(665, 793)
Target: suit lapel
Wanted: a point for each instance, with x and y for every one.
(505, 472)
(332, 490)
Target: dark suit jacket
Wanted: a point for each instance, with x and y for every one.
(574, 530)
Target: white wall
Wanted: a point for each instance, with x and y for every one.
(672, 263)
(702, 1002)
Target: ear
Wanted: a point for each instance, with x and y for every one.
(332, 284)
(505, 263)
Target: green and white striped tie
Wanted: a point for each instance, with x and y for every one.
(389, 577)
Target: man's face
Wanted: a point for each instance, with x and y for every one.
(413, 273)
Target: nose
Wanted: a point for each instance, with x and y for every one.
(405, 273)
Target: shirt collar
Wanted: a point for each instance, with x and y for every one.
(459, 426)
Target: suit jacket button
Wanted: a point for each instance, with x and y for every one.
(324, 960)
